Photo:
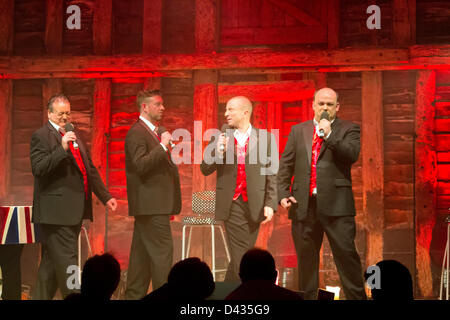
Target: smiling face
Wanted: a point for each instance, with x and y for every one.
(325, 100)
(153, 108)
(59, 113)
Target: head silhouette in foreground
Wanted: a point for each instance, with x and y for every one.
(395, 282)
(100, 277)
(258, 275)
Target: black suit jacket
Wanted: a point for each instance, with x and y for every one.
(261, 177)
(153, 183)
(334, 183)
(59, 197)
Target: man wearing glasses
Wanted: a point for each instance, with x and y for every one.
(64, 179)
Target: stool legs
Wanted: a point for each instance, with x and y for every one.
(446, 266)
(225, 244)
(213, 252)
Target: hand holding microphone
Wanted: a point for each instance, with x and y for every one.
(324, 125)
(222, 142)
(69, 136)
(166, 137)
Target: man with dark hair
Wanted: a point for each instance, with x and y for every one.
(153, 188)
(64, 179)
(258, 275)
(319, 154)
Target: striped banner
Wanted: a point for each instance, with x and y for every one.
(16, 226)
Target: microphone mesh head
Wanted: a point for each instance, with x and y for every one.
(325, 116)
(68, 127)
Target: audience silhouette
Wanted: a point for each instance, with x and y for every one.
(258, 275)
(395, 282)
(189, 279)
(99, 280)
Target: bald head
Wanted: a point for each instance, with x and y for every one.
(238, 112)
(325, 99)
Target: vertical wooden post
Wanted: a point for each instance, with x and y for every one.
(372, 153)
(101, 124)
(6, 27)
(102, 27)
(50, 87)
(151, 36)
(5, 137)
(54, 27)
(426, 177)
(205, 110)
(404, 22)
(206, 29)
(333, 9)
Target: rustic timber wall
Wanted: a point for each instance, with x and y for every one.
(401, 180)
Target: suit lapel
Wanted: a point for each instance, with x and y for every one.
(252, 143)
(155, 138)
(334, 126)
(308, 132)
(58, 137)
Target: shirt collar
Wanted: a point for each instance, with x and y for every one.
(247, 133)
(54, 125)
(148, 123)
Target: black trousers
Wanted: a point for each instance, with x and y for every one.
(308, 235)
(151, 255)
(11, 271)
(59, 251)
(242, 234)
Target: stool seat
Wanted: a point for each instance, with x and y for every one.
(199, 220)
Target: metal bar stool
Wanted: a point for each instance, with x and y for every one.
(203, 205)
(83, 229)
(446, 263)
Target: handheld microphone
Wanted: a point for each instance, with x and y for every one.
(224, 130)
(161, 130)
(325, 116)
(69, 127)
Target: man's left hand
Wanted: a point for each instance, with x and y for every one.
(268, 213)
(112, 204)
(325, 125)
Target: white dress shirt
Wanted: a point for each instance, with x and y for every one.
(152, 127)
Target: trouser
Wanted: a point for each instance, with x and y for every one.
(151, 255)
(59, 251)
(308, 235)
(242, 234)
(11, 271)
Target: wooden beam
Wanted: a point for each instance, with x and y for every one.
(372, 147)
(426, 178)
(6, 27)
(344, 60)
(102, 27)
(333, 14)
(100, 124)
(269, 91)
(295, 12)
(50, 87)
(404, 22)
(206, 31)
(5, 138)
(273, 35)
(54, 27)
